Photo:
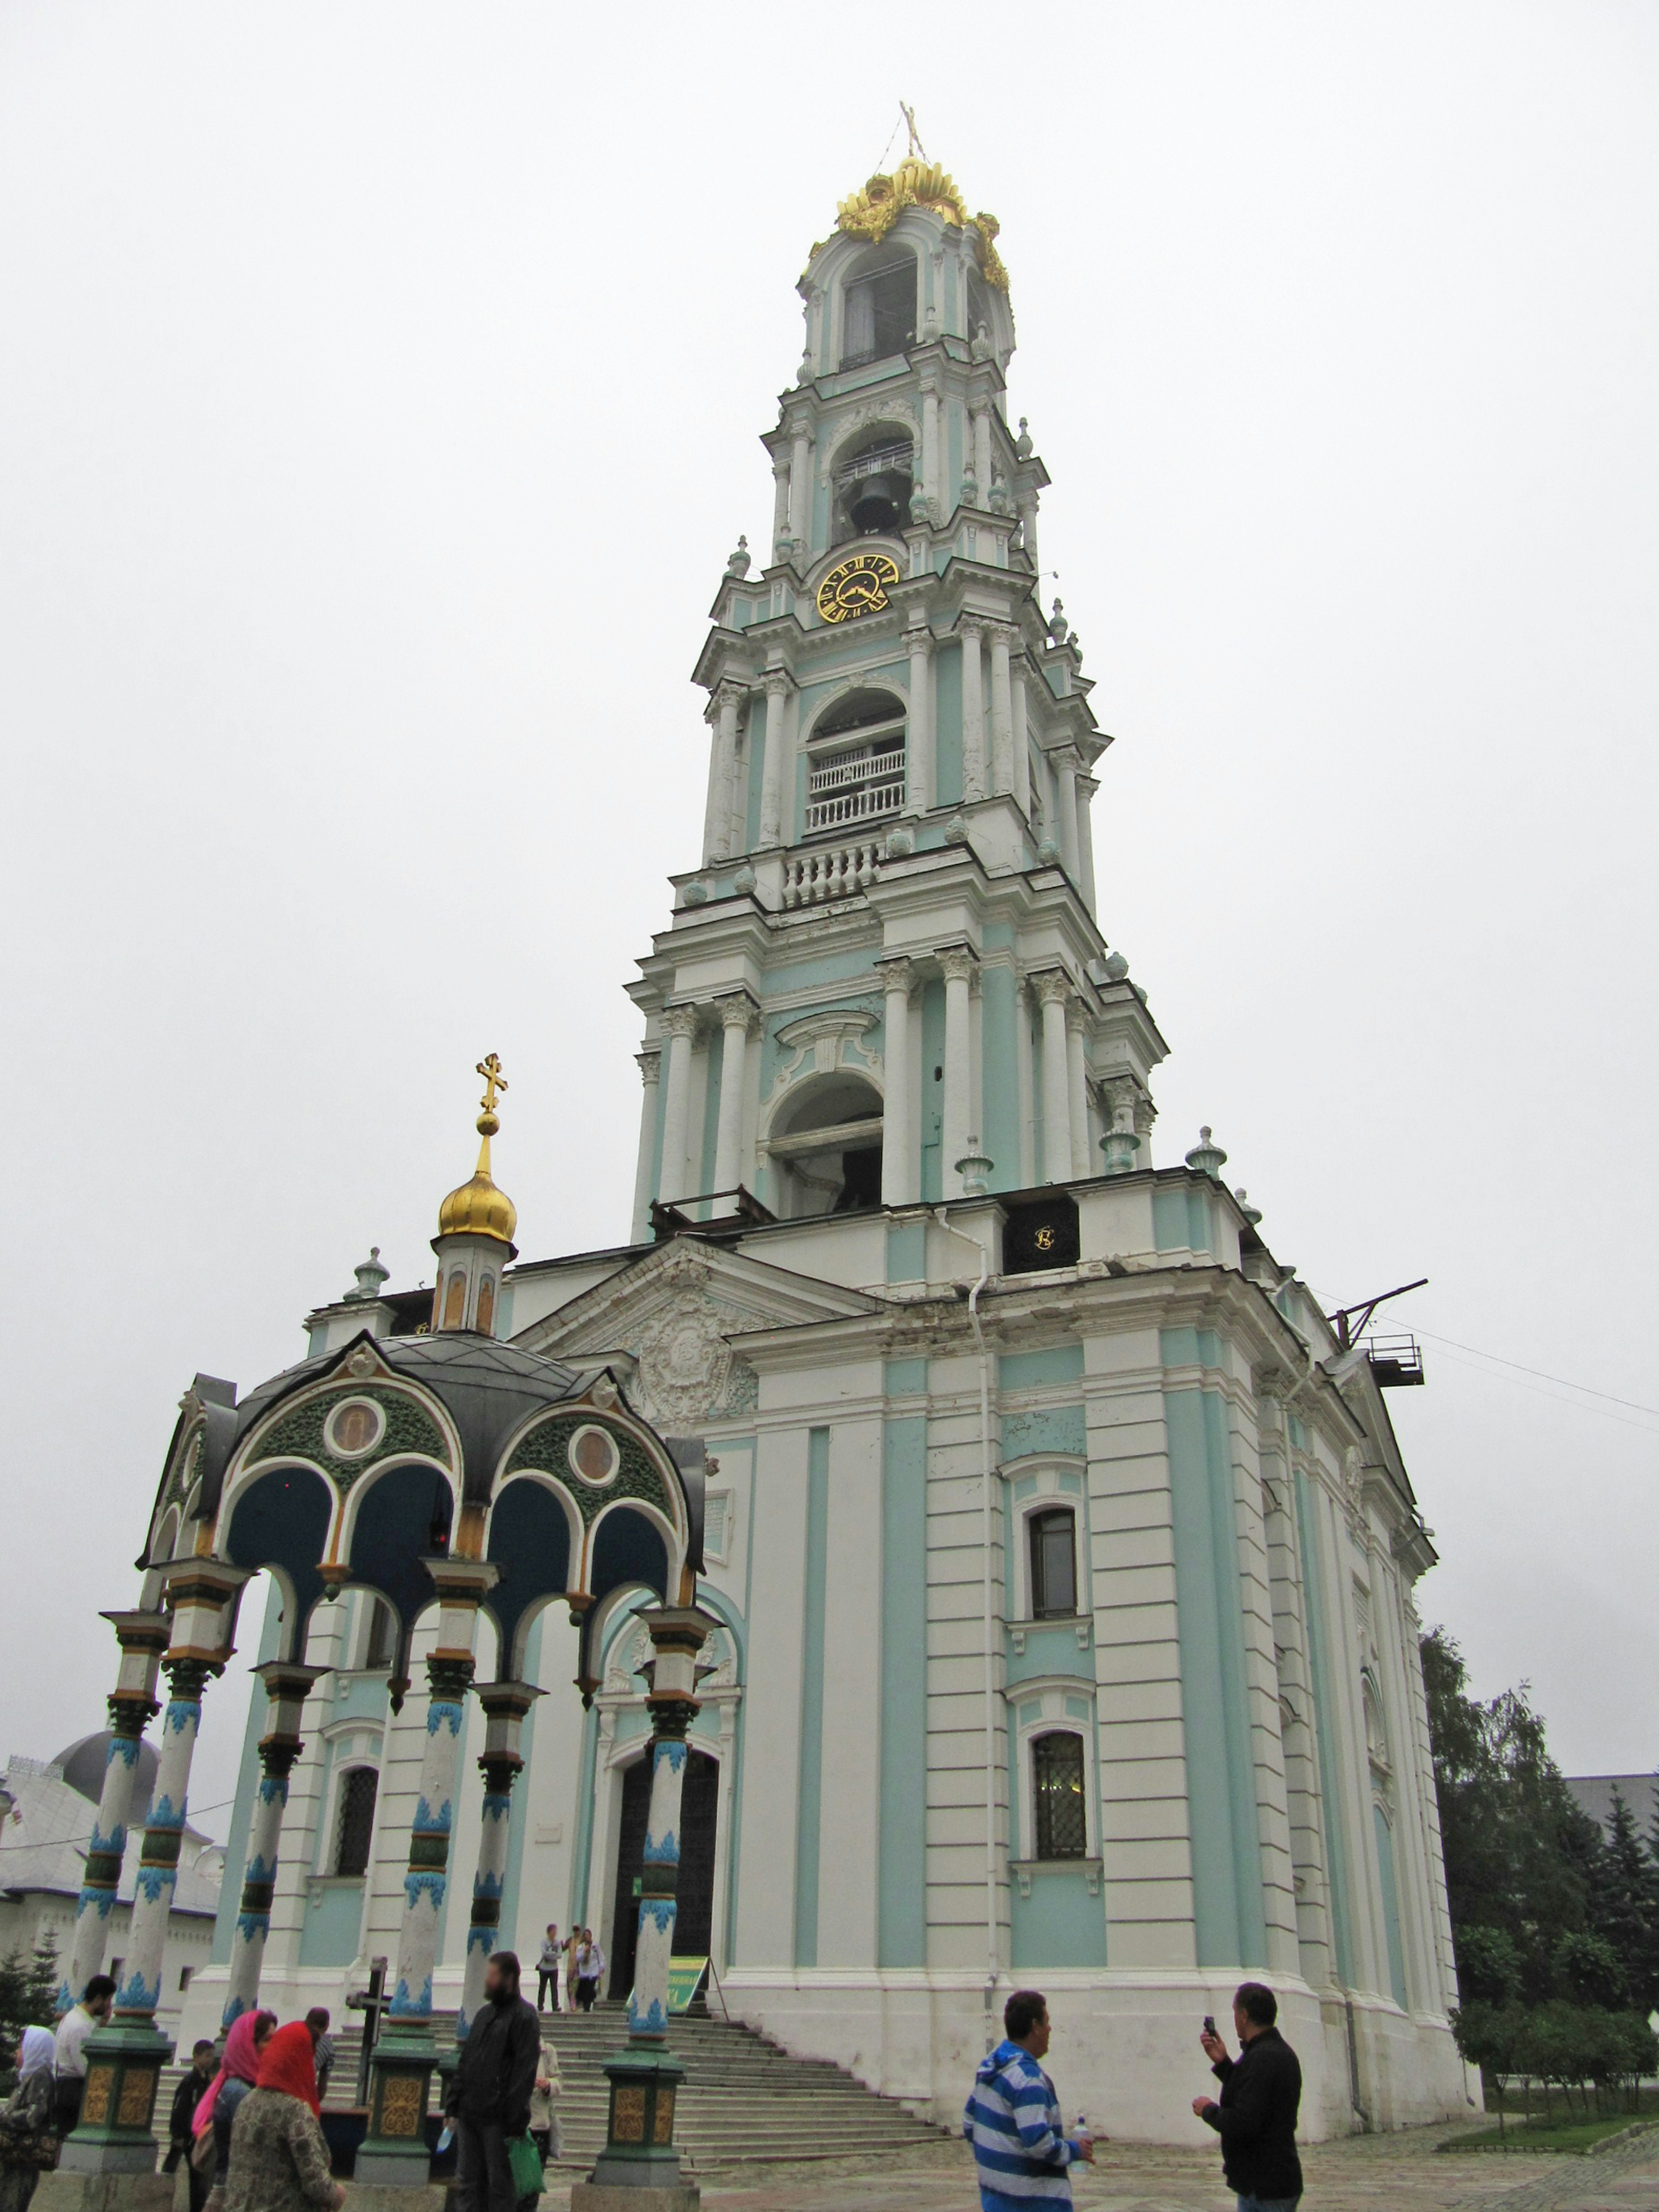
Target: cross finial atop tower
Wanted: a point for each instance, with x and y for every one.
(491, 1068)
(916, 146)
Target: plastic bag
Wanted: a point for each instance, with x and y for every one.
(525, 2160)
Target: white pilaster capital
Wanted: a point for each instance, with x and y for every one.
(959, 964)
(737, 1010)
(1119, 1094)
(1146, 1114)
(649, 1063)
(1006, 634)
(971, 626)
(681, 1021)
(777, 683)
(898, 973)
(1053, 986)
(729, 693)
(1076, 1014)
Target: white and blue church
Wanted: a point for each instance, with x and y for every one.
(1050, 1552)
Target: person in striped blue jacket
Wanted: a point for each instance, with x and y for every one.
(1020, 2146)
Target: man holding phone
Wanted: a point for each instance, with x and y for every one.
(1261, 2095)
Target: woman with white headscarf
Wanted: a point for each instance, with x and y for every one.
(28, 2144)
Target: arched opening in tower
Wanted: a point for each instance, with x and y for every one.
(827, 1154)
(873, 484)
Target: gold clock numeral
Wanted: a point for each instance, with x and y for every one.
(859, 586)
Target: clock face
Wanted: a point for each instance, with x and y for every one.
(859, 586)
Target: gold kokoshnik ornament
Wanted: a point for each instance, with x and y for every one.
(859, 586)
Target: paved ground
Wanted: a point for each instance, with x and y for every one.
(1365, 2174)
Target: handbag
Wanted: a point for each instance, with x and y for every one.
(204, 2152)
(525, 2160)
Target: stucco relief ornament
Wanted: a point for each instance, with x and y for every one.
(685, 1363)
(873, 212)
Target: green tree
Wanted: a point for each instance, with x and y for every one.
(29, 1992)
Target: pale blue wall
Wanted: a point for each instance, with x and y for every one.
(932, 1090)
(329, 1932)
(903, 1866)
(947, 725)
(999, 1074)
(757, 713)
(1181, 1219)
(809, 1802)
(1231, 1928)
(1058, 1924)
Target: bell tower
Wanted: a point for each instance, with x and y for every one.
(888, 962)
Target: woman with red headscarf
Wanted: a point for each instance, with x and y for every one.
(278, 2156)
(235, 2078)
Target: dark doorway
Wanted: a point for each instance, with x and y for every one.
(694, 1918)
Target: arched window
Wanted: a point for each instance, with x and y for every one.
(827, 1152)
(855, 765)
(381, 1641)
(873, 484)
(878, 306)
(1054, 1564)
(487, 1305)
(1062, 1827)
(354, 1825)
(455, 1301)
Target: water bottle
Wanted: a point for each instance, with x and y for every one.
(1084, 2135)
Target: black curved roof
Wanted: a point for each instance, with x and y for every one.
(487, 1388)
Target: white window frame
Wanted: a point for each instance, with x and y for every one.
(1048, 1694)
(1049, 1492)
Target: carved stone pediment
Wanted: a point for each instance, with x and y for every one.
(680, 1315)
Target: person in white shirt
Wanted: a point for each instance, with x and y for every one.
(590, 1969)
(68, 2056)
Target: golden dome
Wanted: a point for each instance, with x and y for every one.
(871, 212)
(478, 1208)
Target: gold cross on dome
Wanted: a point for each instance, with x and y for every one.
(490, 1069)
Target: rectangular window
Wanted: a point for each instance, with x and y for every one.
(1062, 1828)
(880, 315)
(358, 1785)
(1054, 1564)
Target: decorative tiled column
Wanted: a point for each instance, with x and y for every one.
(505, 1704)
(394, 2152)
(142, 1636)
(639, 2150)
(287, 1685)
(124, 2059)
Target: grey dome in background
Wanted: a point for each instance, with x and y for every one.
(83, 1770)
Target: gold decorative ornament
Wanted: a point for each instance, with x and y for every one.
(478, 1208)
(873, 212)
(859, 586)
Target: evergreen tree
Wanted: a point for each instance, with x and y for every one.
(1625, 1903)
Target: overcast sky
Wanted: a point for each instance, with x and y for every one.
(378, 399)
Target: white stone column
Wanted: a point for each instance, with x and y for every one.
(778, 690)
(973, 709)
(1053, 990)
(681, 1022)
(1085, 788)
(931, 471)
(1019, 739)
(736, 1013)
(712, 816)
(960, 1118)
(143, 1637)
(800, 483)
(650, 1066)
(1002, 709)
(1077, 1091)
(920, 781)
(1066, 784)
(287, 1686)
(900, 1166)
(1144, 1115)
(1028, 515)
(726, 702)
(1023, 1079)
(780, 505)
(982, 452)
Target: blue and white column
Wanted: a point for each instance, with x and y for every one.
(505, 1704)
(287, 1687)
(143, 1637)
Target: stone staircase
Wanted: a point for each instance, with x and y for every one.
(745, 2101)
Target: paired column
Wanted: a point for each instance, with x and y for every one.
(644, 2081)
(1052, 990)
(650, 1066)
(737, 1013)
(780, 506)
(681, 1022)
(124, 2059)
(287, 1685)
(919, 776)
(800, 488)
(779, 692)
(899, 1163)
(1002, 709)
(1084, 790)
(931, 471)
(143, 1637)
(505, 1704)
(1066, 766)
(394, 2152)
(973, 709)
(959, 965)
(982, 451)
(1077, 1089)
(728, 699)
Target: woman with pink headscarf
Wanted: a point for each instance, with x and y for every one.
(237, 2070)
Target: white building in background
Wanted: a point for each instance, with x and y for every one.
(47, 1809)
(1062, 1551)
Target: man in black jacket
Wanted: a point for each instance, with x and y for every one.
(1255, 2118)
(489, 2099)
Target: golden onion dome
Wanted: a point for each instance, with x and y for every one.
(478, 1208)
